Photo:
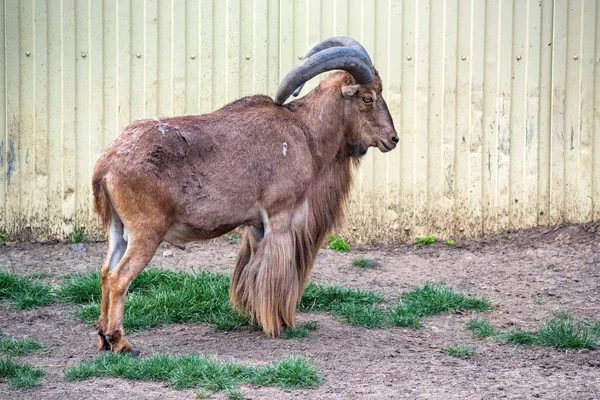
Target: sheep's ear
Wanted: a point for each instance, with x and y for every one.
(349, 91)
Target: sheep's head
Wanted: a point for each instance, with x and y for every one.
(370, 118)
(371, 122)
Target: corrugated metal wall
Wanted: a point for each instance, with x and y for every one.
(497, 102)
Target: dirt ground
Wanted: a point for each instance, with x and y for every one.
(527, 277)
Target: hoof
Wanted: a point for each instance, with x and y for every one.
(118, 344)
(103, 344)
(135, 352)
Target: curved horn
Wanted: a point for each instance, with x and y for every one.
(344, 58)
(336, 41)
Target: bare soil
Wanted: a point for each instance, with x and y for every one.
(527, 276)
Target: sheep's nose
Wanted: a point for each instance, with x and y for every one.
(395, 139)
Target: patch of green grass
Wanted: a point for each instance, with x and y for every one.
(337, 243)
(2, 238)
(197, 371)
(431, 299)
(83, 288)
(158, 297)
(18, 347)
(405, 317)
(459, 350)
(364, 263)
(595, 328)
(292, 372)
(330, 297)
(424, 241)
(295, 333)
(518, 336)
(369, 316)
(232, 238)
(310, 325)
(41, 275)
(563, 332)
(353, 306)
(450, 242)
(24, 292)
(78, 235)
(300, 331)
(480, 327)
(235, 394)
(20, 375)
(560, 332)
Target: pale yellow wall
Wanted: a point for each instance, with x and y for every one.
(497, 102)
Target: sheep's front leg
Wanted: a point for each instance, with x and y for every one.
(269, 284)
(238, 294)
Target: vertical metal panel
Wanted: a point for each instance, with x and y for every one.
(595, 84)
(496, 102)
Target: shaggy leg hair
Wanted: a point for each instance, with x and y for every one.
(250, 239)
(271, 272)
(265, 281)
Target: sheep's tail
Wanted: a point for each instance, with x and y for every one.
(102, 205)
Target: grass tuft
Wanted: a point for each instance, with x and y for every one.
(518, 336)
(301, 331)
(364, 263)
(235, 394)
(337, 243)
(292, 372)
(459, 350)
(564, 333)
(20, 375)
(24, 292)
(560, 332)
(81, 288)
(18, 347)
(431, 299)
(595, 328)
(405, 317)
(330, 297)
(78, 235)
(197, 371)
(2, 238)
(480, 327)
(424, 241)
(295, 333)
(369, 316)
(311, 325)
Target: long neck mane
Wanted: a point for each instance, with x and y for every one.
(324, 113)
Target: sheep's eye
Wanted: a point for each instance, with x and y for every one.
(368, 99)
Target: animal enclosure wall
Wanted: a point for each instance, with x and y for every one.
(497, 102)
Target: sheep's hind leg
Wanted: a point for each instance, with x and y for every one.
(140, 249)
(116, 248)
